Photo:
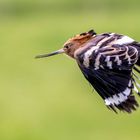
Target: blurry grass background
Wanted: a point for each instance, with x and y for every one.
(49, 99)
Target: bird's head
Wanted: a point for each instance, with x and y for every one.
(71, 45)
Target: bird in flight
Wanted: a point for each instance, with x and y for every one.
(110, 62)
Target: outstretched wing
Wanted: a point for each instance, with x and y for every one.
(109, 71)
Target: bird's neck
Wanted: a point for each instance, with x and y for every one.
(83, 47)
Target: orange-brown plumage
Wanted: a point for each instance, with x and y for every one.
(77, 41)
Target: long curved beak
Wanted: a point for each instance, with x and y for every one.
(50, 54)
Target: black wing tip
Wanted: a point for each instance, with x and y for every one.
(127, 106)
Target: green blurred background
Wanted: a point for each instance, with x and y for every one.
(49, 99)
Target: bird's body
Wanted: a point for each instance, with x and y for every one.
(109, 62)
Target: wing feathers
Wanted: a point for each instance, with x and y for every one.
(109, 70)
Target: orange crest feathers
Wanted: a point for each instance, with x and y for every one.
(83, 37)
(88, 34)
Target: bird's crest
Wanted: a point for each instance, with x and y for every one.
(83, 37)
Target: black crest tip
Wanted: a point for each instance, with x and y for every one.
(92, 32)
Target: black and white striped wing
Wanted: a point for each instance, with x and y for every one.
(109, 71)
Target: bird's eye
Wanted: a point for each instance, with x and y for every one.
(67, 46)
